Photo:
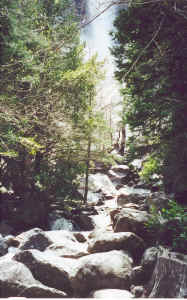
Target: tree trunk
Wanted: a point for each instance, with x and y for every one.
(87, 170)
(169, 279)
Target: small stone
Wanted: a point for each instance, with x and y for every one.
(11, 241)
(137, 291)
(79, 237)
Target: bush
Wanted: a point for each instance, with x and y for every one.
(170, 226)
(150, 167)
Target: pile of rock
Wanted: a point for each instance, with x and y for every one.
(110, 260)
(62, 264)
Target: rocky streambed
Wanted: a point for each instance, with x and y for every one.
(108, 257)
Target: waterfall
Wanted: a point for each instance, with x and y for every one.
(97, 39)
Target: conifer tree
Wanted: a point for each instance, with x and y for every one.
(45, 87)
(151, 57)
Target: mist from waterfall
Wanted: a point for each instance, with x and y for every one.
(98, 40)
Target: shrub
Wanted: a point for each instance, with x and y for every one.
(150, 167)
(170, 226)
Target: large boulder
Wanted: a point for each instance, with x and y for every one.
(98, 183)
(95, 233)
(169, 279)
(69, 249)
(33, 239)
(42, 291)
(111, 294)
(49, 269)
(17, 280)
(57, 236)
(126, 241)
(118, 178)
(66, 242)
(101, 271)
(131, 195)
(131, 220)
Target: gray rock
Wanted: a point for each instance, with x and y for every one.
(101, 271)
(80, 237)
(14, 277)
(41, 291)
(17, 280)
(95, 233)
(137, 291)
(98, 182)
(131, 220)
(133, 195)
(117, 178)
(169, 279)
(11, 241)
(56, 236)
(33, 239)
(49, 269)
(126, 241)
(68, 249)
(111, 294)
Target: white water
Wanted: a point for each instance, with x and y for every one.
(97, 39)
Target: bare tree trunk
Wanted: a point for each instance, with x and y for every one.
(87, 170)
(88, 155)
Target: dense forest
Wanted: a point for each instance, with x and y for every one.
(150, 51)
(50, 128)
(151, 56)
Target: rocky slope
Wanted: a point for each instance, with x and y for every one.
(108, 257)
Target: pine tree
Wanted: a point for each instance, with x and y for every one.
(45, 87)
(151, 58)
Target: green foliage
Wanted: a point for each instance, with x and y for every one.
(46, 117)
(170, 226)
(31, 145)
(150, 167)
(151, 58)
